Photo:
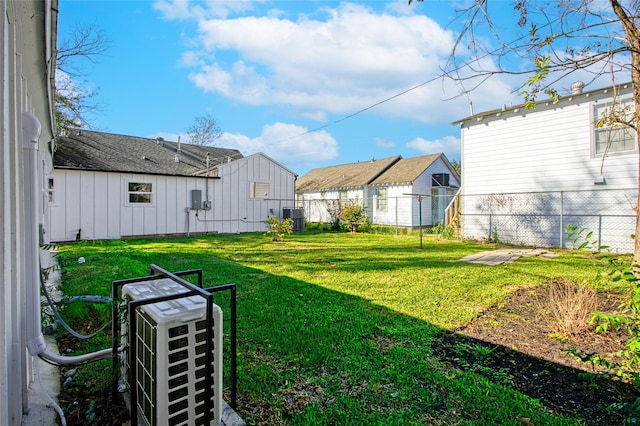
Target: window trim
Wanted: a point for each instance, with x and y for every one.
(260, 187)
(51, 191)
(382, 201)
(129, 193)
(625, 100)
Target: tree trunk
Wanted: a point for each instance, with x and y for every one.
(633, 38)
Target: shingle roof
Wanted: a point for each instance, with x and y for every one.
(98, 151)
(406, 170)
(344, 176)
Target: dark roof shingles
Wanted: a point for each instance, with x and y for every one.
(89, 150)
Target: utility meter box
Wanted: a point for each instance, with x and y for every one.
(206, 205)
(196, 199)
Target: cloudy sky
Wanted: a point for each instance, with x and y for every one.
(309, 83)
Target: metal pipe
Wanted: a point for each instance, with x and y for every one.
(31, 129)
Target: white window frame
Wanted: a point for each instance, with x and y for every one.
(51, 190)
(129, 192)
(382, 200)
(260, 189)
(343, 197)
(611, 134)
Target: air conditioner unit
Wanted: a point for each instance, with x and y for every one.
(170, 356)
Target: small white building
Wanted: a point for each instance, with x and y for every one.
(527, 174)
(108, 186)
(395, 191)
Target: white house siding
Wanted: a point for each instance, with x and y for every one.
(405, 210)
(508, 156)
(27, 38)
(96, 202)
(315, 203)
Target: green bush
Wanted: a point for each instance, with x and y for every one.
(353, 215)
(279, 227)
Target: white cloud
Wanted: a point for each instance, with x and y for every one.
(194, 10)
(336, 61)
(381, 143)
(449, 145)
(288, 144)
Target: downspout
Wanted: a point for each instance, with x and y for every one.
(31, 130)
(36, 345)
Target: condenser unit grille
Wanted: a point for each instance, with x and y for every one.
(171, 358)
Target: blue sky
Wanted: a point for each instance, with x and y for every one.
(286, 78)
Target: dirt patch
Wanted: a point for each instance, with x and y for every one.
(514, 342)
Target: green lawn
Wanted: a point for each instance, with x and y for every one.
(336, 328)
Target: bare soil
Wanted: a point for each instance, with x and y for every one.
(515, 341)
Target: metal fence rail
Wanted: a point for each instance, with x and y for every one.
(540, 218)
(402, 212)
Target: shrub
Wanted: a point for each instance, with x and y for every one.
(570, 307)
(353, 215)
(444, 231)
(279, 227)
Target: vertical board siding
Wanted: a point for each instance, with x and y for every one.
(84, 205)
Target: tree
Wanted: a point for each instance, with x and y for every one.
(278, 228)
(456, 166)
(204, 131)
(554, 39)
(353, 215)
(75, 99)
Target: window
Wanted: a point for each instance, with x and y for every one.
(342, 197)
(50, 190)
(615, 137)
(140, 193)
(381, 201)
(259, 190)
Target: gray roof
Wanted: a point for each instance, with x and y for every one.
(351, 175)
(107, 152)
(392, 170)
(406, 170)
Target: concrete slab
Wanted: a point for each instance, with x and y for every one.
(43, 391)
(500, 256)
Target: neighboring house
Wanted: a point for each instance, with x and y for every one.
(395, 191)
(527, 174)
(29, 34)
(107, 186)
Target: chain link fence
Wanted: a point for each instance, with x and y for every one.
(400, 212)
(541, 218)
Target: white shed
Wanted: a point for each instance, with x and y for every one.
(107, 186)
(527, 174)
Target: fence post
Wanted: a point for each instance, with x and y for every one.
(396, 215)
(599, 231)
(561, 219)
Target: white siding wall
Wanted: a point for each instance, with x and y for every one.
(315, 203)
(96, 202)
(543, 150)
(27, 31)
(404, 210)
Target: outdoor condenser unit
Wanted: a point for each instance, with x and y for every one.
(170, 356)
